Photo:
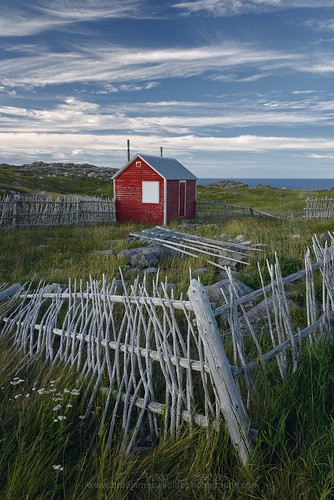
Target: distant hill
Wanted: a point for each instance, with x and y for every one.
(227, 184)
(56, 178)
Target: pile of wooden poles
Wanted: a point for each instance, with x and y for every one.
(225, 253)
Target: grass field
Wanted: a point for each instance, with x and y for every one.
(42, 456)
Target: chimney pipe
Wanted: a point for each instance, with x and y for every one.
(161, 151)
(128, 149)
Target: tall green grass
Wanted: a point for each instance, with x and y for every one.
(44, 457)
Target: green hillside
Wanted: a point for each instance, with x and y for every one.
(57, 179)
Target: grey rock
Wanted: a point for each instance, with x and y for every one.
(144, 257)
(324, 237)
(228, 258)
(105, 252)
(54, 288)
(201, 270)
(216, 296)
(151, 270)
(143, 260)
(257, 315)
(240, 238)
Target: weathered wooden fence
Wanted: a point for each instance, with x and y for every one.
(319, 208)
(165, 363)
(20, 212)
(217, 210)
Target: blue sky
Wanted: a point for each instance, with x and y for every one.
(231, 88)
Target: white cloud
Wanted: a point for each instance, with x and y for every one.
(219, 8)
(166, 117)
(321, 157)
(43, 15)
(114, 64)
(42, 143)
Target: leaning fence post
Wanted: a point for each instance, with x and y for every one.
(236, 418)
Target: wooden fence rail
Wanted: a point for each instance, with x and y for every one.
(319, 208)
(216, 210)
(20, 212)
(165, 363)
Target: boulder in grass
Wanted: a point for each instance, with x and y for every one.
(145, 257)
(143, 260)
(216, 296)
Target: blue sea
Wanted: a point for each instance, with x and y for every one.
(278, 183)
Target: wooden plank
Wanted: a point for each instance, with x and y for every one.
(10, 291)
(235, 415)
(120, 299)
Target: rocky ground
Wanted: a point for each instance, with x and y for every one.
(64, 169)
(227, 184)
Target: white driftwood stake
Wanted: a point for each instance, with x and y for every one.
(235, 415)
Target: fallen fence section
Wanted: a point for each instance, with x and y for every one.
(319, 208)
(216, 210)
(165, 363)
(20, 212)
(220, 253)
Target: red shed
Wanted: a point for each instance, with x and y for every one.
(154, 190)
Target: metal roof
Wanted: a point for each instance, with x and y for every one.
(169, 168)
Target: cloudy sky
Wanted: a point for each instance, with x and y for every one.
(231, 88)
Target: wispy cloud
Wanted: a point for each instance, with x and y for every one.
(32, 143)
(218, 8)
(321, 157)
(173, 117)
(112, 63)
(44, 15)
(321, 25)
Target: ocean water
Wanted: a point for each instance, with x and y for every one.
(279, 183)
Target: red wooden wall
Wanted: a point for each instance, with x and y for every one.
(128, 186)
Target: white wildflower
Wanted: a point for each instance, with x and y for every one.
(17, 381)
(69, 405)
(17, 396)
(56, 408)
(58, 467)
(82, 417)
(58, 399)
(60, 418)
(41, 391)
(75, 392)
(28, 395)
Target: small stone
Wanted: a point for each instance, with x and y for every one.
(240, 238)
(105, 252)
(201, 270)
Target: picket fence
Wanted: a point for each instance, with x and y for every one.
(20, 212)
(163, 363)
(319, 208)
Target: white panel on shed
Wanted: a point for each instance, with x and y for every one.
(150, 192)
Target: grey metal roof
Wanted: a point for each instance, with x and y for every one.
(169, 168)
